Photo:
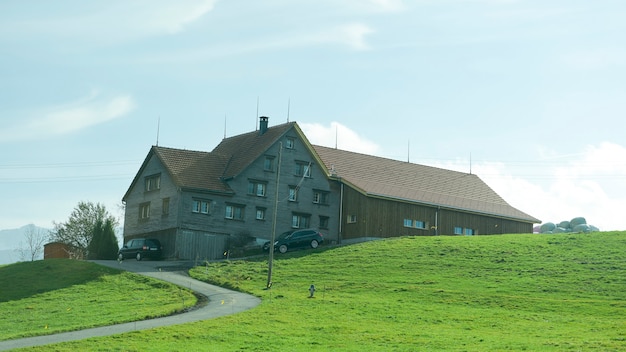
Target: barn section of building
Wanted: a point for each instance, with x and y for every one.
(385, 198)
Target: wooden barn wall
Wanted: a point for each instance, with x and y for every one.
(376, 217)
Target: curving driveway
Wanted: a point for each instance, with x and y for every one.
(221, 302)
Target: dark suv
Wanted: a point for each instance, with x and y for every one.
(140, 248)
(296, 239)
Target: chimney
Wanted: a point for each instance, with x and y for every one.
(263, 124)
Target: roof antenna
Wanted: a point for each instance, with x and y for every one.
(336, 133)
(158, 128)
(408, 152)
(256, 122)
(470, 163)
(224, 125)
(288, 108)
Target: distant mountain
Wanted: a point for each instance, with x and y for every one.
(13, 239)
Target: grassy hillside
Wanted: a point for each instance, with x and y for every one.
(45, 297)
(483, 293)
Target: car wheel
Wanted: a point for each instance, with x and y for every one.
(314, 244)
(138, 257)
(282, 248)
(120, 256)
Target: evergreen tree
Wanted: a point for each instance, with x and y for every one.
(109, 245)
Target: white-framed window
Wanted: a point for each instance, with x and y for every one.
(152, 182)
(300, 221)
(293, 194)
(468, 232)
(320, 197)
(144, 211)
(458, 230)
(257, 188)
(268, 164)
(260, 213)
(234, 212)
(302, 169)
(408, 223)
(419, 224)
(290, 143)
(201, 206)
(351, 219)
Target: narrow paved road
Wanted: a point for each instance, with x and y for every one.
(221, 302)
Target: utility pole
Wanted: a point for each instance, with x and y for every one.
(273, 239)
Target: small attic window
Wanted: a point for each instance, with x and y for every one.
(290, 143)
(153, 182)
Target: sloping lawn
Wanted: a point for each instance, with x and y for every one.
(45, 297)
(562, 292)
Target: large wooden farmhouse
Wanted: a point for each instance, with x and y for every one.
(195, 201)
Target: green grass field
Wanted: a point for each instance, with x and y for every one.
(562, 292)
(46, 297)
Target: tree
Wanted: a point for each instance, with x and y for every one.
(78, 231)
(103, 244)
(33, 248)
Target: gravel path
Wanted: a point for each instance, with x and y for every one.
(221, 302)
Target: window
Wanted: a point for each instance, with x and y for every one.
(293, 193)
(408, 223)
(201, 206)
(464, 231)
(420, 224)
(260, 213)
(324, 222)
(320, 197)
(257, 188)
(351, 219)
(153, 183)
(302, 169)
(268, 164)
(234, 212)
(144, 211)
(290, 143)
(166, 207)
(300, 221)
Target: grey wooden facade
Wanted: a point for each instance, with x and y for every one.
(187, 232)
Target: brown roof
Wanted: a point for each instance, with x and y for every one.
(243, 149)
(376, 176)
(207, 170)
(194, 169)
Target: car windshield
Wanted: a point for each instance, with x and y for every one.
(284, 235)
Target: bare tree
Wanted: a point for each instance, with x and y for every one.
(33, 248)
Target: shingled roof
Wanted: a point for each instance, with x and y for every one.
(387, 178)
(208, 170)
(243, 149)
(194, 169)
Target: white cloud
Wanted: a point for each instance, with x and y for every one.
(340, 136)
(595, 59)
(589, 184)
(67, 118)
(111, 21)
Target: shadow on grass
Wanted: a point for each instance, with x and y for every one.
(23, 280)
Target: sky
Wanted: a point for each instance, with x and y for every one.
(527, 94)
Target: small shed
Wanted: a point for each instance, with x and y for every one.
(56, 250)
